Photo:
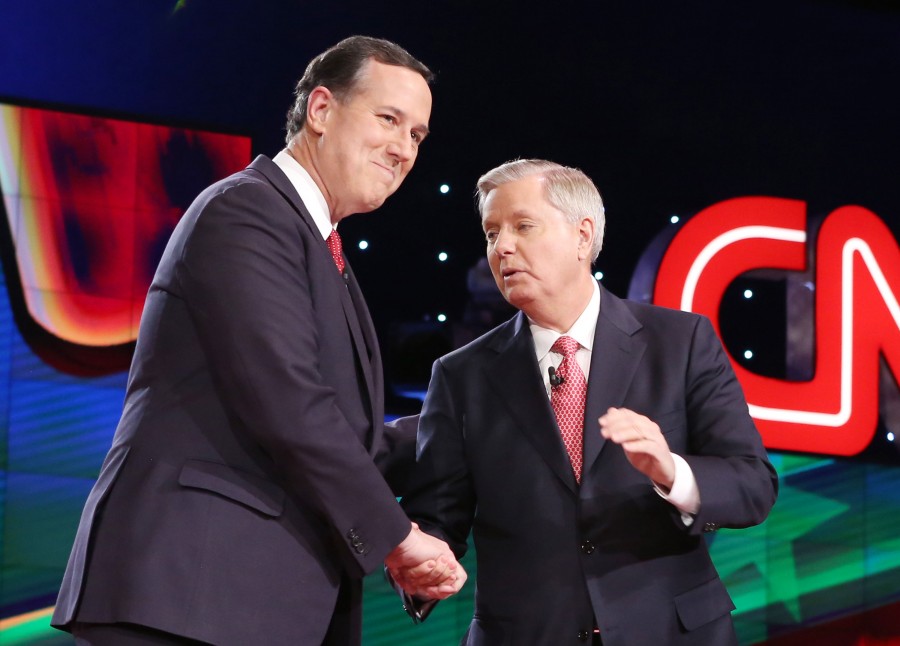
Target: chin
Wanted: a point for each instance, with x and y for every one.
(371, 205)
(519, 301)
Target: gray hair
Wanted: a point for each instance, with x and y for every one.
(339, 68)
(567, 189)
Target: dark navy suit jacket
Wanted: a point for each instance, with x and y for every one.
(554, 558)
(241, 492)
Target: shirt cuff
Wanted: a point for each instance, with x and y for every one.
(684, 494)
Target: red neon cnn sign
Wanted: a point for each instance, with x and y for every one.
(857, 316)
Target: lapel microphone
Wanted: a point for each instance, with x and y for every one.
(555, 379)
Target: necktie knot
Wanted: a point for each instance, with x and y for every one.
(334, 246)
(566, 346)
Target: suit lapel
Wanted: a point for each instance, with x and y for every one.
(515, 377)
(614, 359)
(358, 320)
(363, 331)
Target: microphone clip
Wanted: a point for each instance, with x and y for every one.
(555, 379)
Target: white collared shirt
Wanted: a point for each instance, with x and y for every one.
(582, 331)
(309, 192)
(684, 493)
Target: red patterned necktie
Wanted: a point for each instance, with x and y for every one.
(334, 245)
(567, 400)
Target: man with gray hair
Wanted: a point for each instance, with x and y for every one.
(588, 443)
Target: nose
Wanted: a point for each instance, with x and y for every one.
(503, 244)
(402, 148)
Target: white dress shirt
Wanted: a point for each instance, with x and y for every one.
(309, 192)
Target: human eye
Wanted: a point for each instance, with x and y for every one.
(524, 227)
(389, 118)
(490, 236)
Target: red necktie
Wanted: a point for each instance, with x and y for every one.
(334, 245)
(567, 400)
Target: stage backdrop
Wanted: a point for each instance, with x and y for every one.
(89, 201)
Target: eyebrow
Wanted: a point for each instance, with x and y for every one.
(519, 213)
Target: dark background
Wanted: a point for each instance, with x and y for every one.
(669, 107)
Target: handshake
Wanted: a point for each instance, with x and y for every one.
(424, 567)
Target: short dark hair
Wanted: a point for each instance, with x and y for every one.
(339, 67)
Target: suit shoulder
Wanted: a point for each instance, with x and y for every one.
(246, 182)
(668, 327)
(244, 194)
(228, 205)
(649, 314)
(485, 344)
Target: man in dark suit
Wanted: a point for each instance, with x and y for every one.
(241, 501)
(584, 533)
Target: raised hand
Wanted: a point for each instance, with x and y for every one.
(643, 442)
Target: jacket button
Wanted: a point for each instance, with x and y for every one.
(587, 547)
(583, 635)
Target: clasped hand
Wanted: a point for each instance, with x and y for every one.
(424, 566)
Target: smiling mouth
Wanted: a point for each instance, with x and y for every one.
(386, 169)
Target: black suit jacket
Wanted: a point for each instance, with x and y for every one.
(554, 557)
(241, 491)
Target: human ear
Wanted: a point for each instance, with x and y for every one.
(585, 238)
(318, 106)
